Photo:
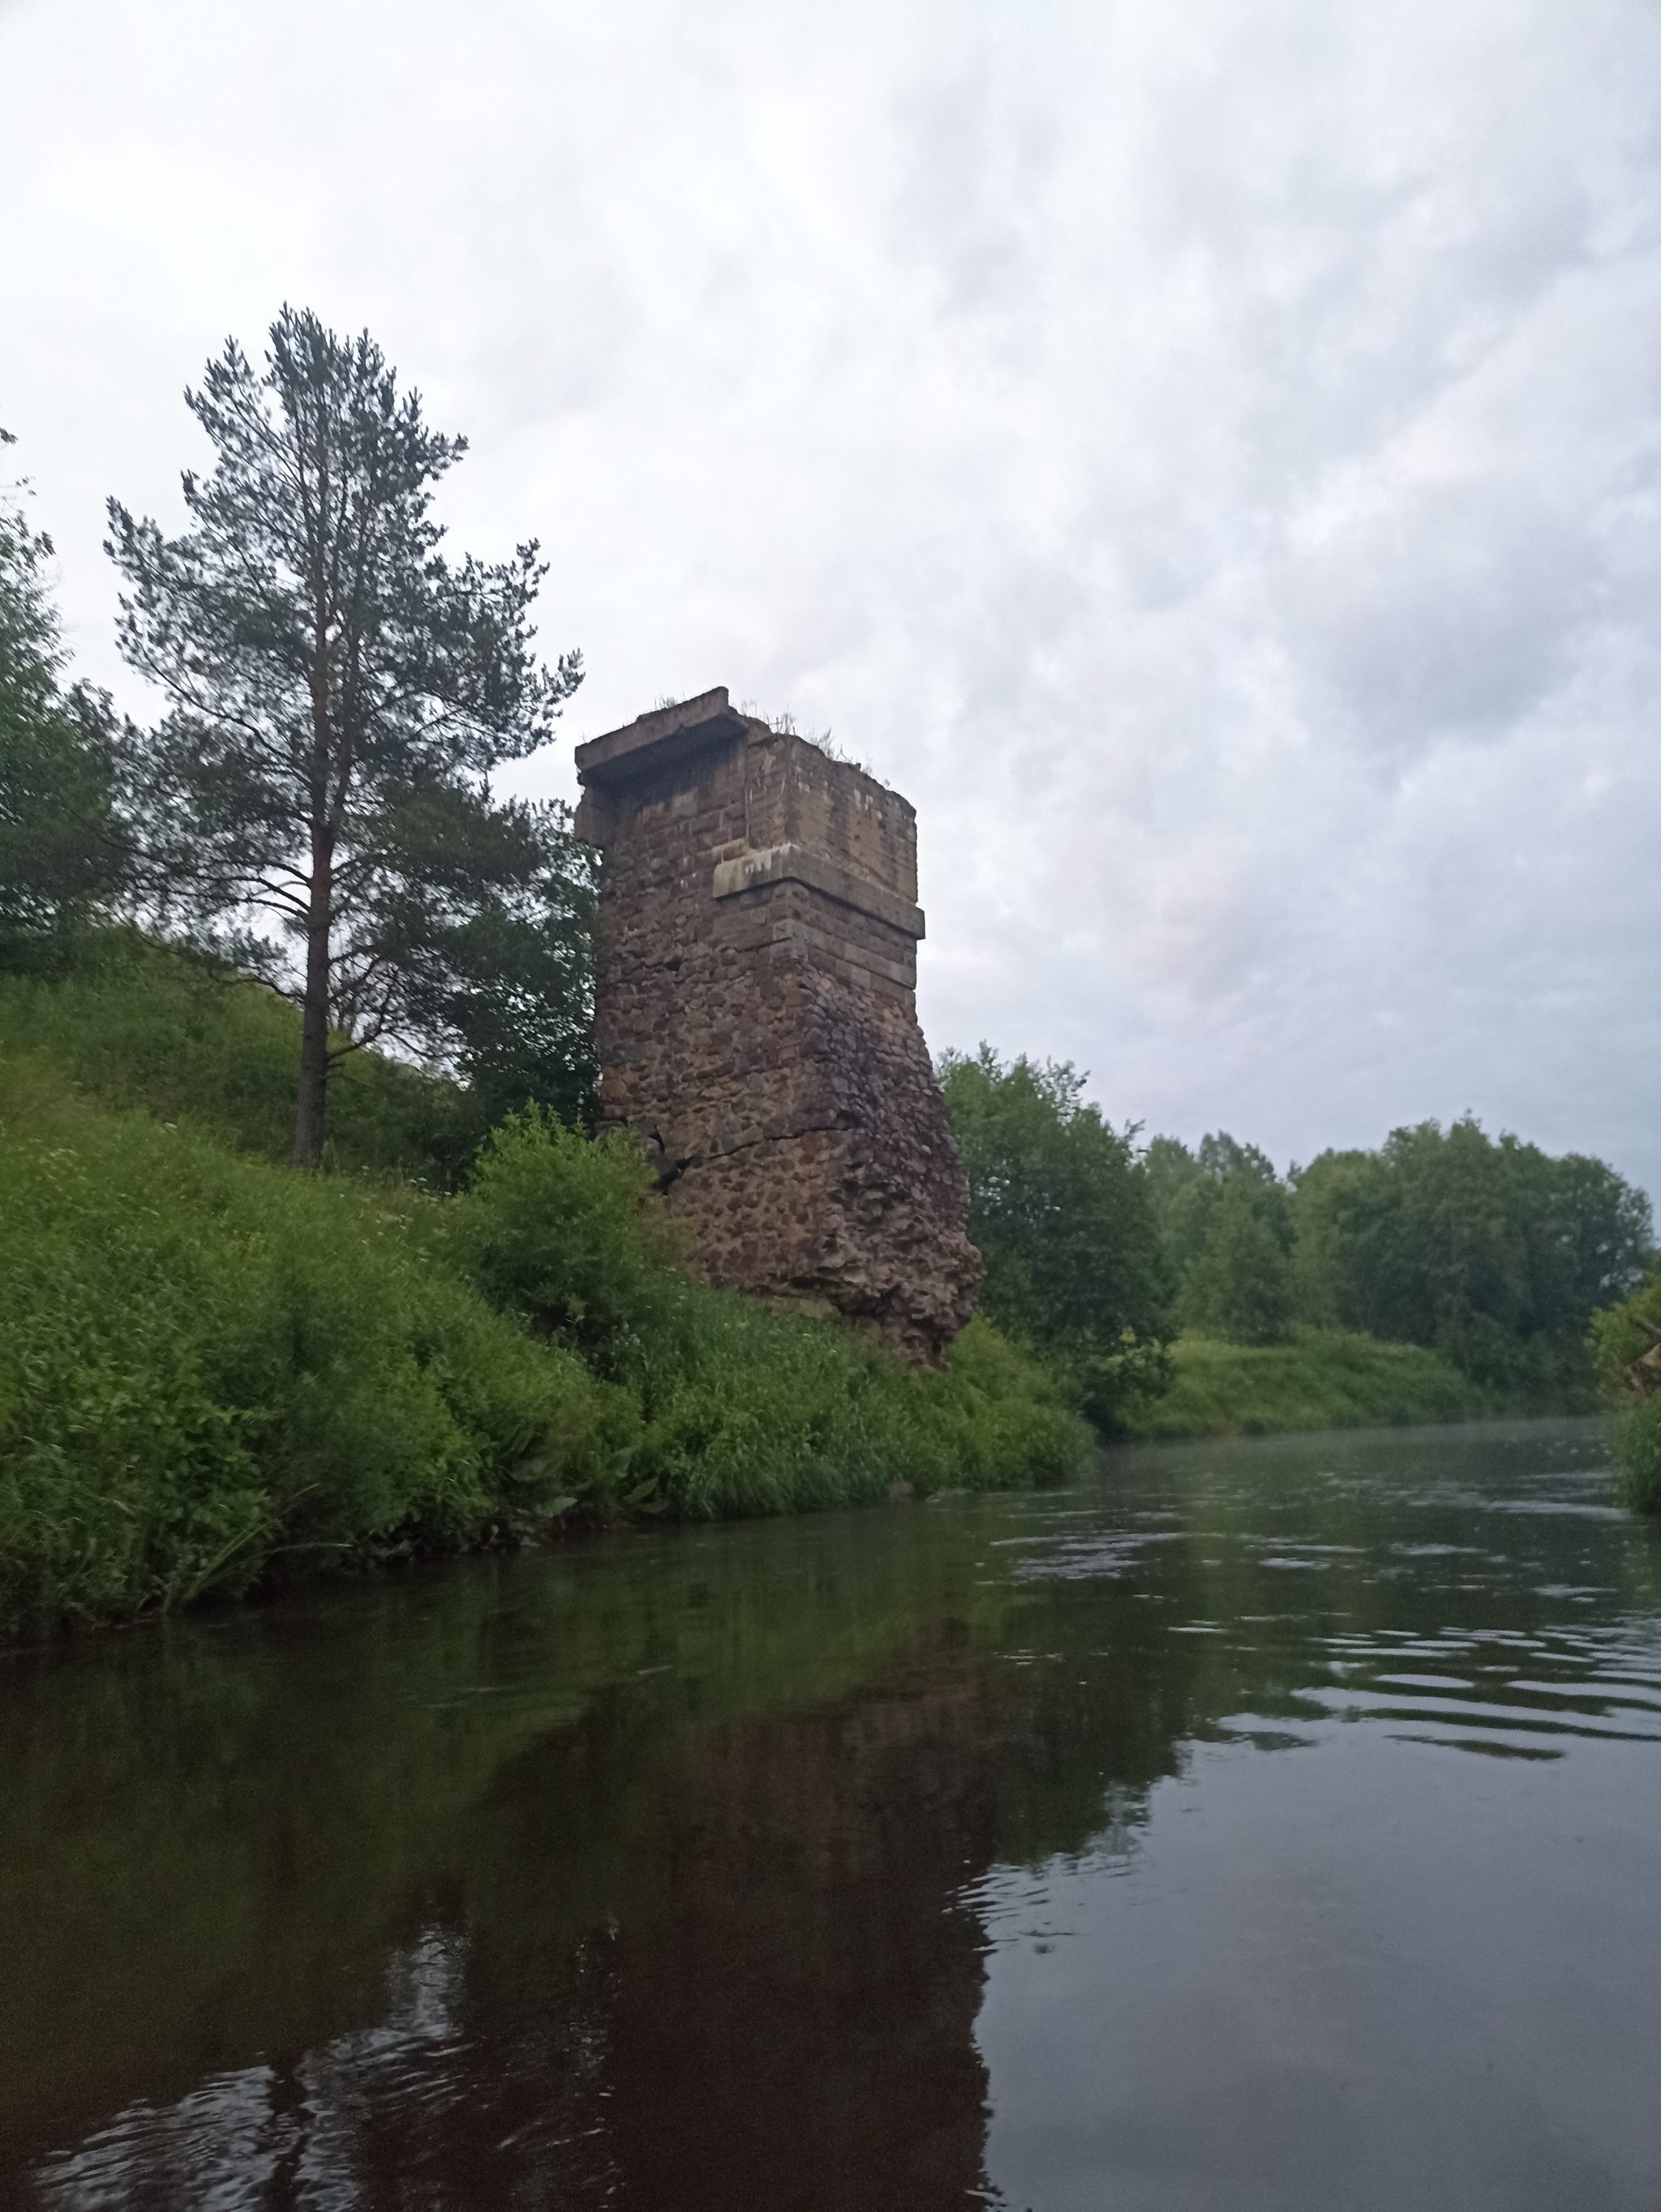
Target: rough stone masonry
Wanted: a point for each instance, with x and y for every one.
(756, 1016)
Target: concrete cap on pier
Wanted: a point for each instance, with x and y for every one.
(655, 740)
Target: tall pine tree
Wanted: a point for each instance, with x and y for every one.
(340, 694)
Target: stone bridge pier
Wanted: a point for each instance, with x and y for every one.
(756, 1018)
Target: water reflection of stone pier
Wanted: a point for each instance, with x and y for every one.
(716, 1867)
(784, 2015)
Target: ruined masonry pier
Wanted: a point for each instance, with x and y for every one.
(757, 1024)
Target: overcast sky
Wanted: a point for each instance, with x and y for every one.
(1206, 456)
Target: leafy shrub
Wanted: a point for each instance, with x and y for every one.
(553, 1227)
(1620, 1336)
(211, 1365)
(1638, 1455)
(745, 1410)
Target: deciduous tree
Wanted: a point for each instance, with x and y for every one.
(1059, 1207)
(1226, 1218)
(63, 848)
(1489, 1251)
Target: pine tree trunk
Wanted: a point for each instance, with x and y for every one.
(315, 1027)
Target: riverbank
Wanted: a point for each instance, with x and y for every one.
(217, 1373)
(1321, 1378)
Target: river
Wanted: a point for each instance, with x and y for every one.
(1273, 1823)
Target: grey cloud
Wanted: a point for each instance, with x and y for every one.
(1446, 609)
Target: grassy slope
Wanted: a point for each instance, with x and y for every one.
(1322, 1379)
(213, 1369)
(140, 1025)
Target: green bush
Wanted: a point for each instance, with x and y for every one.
(1638, 1457)
(1618, 1339)
(554, 1227)
(1619, 1335)
(745, 1410)
(211, 1366)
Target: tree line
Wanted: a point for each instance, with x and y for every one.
(1099, 1249)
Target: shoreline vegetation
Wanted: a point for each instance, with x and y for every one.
(1447, 1276)
(1626, 1343)
(1320, 1378)
(218, 1372)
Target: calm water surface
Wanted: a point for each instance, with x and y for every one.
(1265, 1824)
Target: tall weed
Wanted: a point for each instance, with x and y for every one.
(210, 1366)
(1638, 1455)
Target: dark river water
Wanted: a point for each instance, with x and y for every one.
(1265, 1824)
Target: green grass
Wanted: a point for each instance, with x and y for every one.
(1638, 1455)
(139, 1024)
(213, 1372)
(1617, 1338)
(1321, 1379)
(211, 1366)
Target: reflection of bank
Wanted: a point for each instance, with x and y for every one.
(693, 1870)
(647, 1875)
(786, 2015)
(789, 2019)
